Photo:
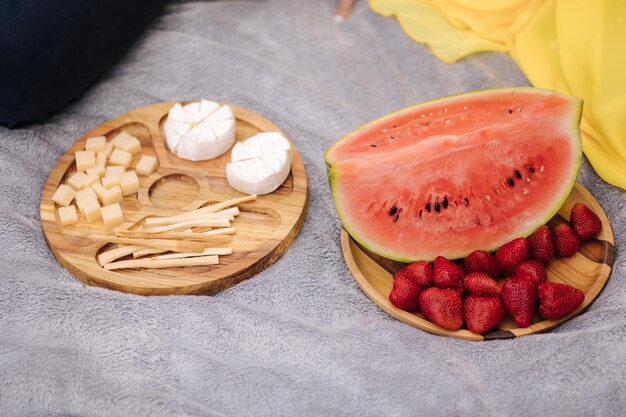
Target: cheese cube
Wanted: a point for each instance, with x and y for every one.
(64, 195)
(88, 204)
(90, 180)
(127, 142)
(85, 160)
(67, 215)
(129, 183)
(112, 215)
(108, 149)
(108, 196)
(120, 157)
(95, 143)
(97, 170)
(101, 158)
(147, 165)
(110, 182)
(76, 181)
(114, 171)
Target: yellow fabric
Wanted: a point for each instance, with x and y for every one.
(573, 46)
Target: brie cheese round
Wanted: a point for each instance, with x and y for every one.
(260, 164)
(199, 131)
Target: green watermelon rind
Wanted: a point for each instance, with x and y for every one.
(333, 177)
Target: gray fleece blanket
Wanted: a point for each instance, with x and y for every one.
(300, 338)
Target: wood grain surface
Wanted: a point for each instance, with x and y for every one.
(265, 228)
(587, 270)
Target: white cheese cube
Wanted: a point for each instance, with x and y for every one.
(108, 196)
(108, 149)
(101, 158)
(88, 204)
(90, 180)
(129, 183)
(120, 157)
(112, 215)
(114, 171)
(97, 170)
(67, 215)
(127, 143)
(147, 165)
(96, 143)
(85, 160)
(110, 182)
(64, 195)
(77, 180)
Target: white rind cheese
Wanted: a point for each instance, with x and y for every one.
(200, 131)
(260, 164)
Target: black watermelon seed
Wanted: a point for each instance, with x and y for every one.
(511, 182)
(437, 207)
(394, 126)
(391, 137)
(373, 146)
(395, 219)
(466, 202)
(393, 210)
(531, 169)
(445, 202)
(510, 111)
(420, 213)
(518, 174)
(428, 207)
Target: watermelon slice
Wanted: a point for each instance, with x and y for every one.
(461, 173)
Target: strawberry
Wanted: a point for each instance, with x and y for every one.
(447, 274)
(531, 270)
(481, 261)
(482, 314)
(585, 223)
(405, 293)
(420, 271)
(481, 285)
(565, 241)
(511, 254)
(558, 300)
(443, 307)
(519, 297)
(540, 246)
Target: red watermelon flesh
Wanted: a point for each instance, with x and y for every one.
(450, 176)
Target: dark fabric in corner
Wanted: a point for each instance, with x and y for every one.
(50, 51)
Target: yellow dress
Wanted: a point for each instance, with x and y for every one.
(573, 46)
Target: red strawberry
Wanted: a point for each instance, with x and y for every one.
(519, 296)
(443, 307)
(482, 314)
(405, 293)
(447, 274)
(481, 261)
(531, 270)
(420, 271)
(558, 300)
(585, 223)
(565, 241)
(512, 254)
(540, 245)
(481, 285)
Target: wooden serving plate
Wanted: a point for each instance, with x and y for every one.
(265, 228)
(588, 270)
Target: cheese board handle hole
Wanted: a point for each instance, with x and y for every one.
(174, 191)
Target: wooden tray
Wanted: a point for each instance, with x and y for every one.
(265, 227)
(588, 270)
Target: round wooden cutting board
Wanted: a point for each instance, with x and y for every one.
(588, 270)
(265, 228)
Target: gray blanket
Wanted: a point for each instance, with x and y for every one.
(300, 338)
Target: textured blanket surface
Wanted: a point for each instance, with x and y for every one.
(300, 338)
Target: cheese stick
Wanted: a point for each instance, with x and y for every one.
(207, 251)
(154, 221)
(163, 263)
(113, 254)
(165, 244)
(232, 210)
(200, 222)
(202, 237)
(165, 221)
